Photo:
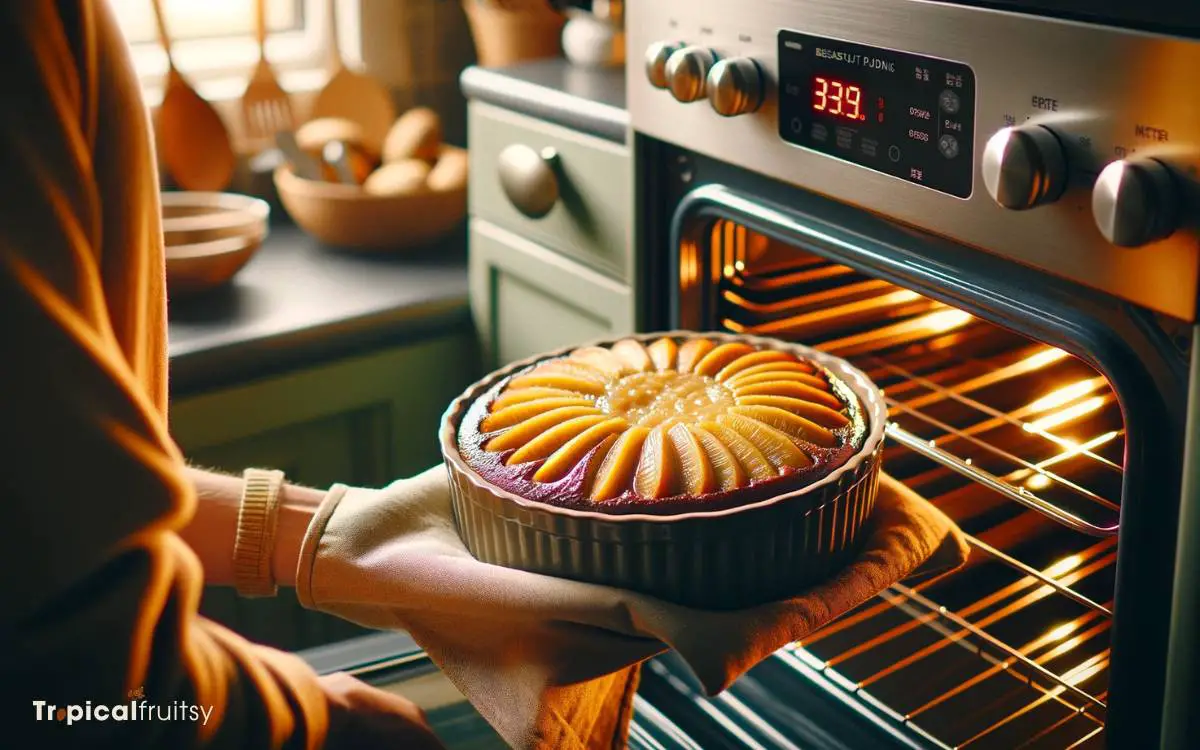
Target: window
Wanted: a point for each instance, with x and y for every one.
(213, 41)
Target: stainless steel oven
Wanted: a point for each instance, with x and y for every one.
(996, 214)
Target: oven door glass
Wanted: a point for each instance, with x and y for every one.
(1021, 443)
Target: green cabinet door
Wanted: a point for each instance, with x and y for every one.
(364, 420)
(526, 299)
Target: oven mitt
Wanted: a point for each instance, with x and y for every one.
(551, 662)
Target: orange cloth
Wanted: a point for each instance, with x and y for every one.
(98, 593)
(552, 663)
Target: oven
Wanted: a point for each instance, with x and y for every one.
(995, 215)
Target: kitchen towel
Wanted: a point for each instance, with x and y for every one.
(554, 663)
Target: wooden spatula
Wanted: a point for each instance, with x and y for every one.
(192, 138)
(266, 107)
(352, 95)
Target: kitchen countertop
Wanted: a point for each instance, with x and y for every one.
(297, 302)
(585, 99)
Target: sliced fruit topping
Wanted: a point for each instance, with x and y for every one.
(553, 439)
(558, 380)
(595, 460)
(692, 351)
(775, 376)
(752, 460)
(753, 360)
(522, 395)
(694, 468)
(633, 355)
(775, 445)
(818, 413)
(791, 389)
(519, 435)
(574, 368)
(718, 358)
(663, 353)
(727, 471)
(600, 358)
(803, 367)
(658, 471)
(518, 413)
(789, 424)
(568, 456)
(616, 473)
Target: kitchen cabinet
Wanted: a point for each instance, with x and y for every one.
(527, 299)
(589, 179)
(364, 420)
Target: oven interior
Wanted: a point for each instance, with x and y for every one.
(1021, 443)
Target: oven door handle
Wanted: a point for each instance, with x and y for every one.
(1017, 494)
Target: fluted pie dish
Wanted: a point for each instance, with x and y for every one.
(708, 469)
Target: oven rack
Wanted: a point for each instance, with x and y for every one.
(859, 318)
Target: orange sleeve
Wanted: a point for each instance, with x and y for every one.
(98, 594)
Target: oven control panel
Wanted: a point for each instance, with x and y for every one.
(909, 116)
(1072, 148)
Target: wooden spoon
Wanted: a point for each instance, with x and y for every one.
(194, 143)
(266, 107)
(354, 96)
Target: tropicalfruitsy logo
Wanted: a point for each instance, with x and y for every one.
(136, 709)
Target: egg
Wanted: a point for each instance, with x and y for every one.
(398, 177)
(450, 172)
(417, 134)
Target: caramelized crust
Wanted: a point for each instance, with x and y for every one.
(673, 426)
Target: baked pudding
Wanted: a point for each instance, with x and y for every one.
(708, 469)
(673, 425)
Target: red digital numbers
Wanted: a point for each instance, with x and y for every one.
(834, 97)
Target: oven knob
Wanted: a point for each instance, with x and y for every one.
(1024, 167)
(735, 86)
(657, 55)
(1135, 202)
(687, 70)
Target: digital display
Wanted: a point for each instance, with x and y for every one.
(837, 98)
(907, 115)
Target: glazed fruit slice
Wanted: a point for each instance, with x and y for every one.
(673, 418)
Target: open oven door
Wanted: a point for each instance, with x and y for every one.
(1033, 412)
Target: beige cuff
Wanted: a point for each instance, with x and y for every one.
(258, 515)
(312, 543)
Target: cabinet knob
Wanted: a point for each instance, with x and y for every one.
(529, 179)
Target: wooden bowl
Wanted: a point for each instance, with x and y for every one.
(202, 266)
(347, 216)
(190, 217)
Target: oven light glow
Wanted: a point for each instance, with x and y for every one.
(1065, 395)
(1062, 631)
(1069, 414)
(1038, 482)
(945, 320)
(1063, 566)
(1045, 357)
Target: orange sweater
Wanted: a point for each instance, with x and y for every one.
(98, 594)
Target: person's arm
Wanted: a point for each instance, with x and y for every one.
(98, 591)
(213, 529)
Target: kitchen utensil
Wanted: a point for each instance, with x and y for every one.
(302, 164)
(193, 141)
(209, 237)
(266, 107)
(353, 95)
(350, 217)
(337, 156)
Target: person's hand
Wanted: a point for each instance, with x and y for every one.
(361, 716)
